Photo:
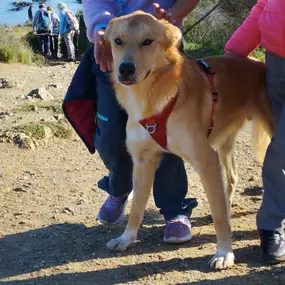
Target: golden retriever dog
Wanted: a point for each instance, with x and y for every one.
(149, 71)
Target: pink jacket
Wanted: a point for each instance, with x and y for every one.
(265, 25)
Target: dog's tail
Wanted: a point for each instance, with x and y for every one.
(262, 129)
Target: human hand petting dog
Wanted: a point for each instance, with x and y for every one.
(160, 13)
(102, 53)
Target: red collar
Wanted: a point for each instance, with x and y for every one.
(156, 125)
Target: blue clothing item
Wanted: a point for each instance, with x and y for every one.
(36, 24)
(170, 186)
(63, 28)
(55, 23)
(97, 14)
(271, 215)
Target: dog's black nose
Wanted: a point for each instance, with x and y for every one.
(127, 69)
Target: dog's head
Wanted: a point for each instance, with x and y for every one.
(141, 45)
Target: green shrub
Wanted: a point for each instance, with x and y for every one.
(13, 48)
(209, 37)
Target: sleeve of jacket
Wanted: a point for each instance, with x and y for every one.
(97, 15)
(247, 37)
(61, 25)
(35, 19)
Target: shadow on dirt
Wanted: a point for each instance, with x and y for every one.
(253, 191)
(124, 274)
(60, 244)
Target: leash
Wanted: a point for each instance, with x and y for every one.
(203, 18)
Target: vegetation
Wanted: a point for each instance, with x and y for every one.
(15, 45)
(206, 39)
(13, 48)
(209, 37)
(37, 130)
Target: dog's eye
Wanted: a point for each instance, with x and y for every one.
(147, 42)
(118, 41)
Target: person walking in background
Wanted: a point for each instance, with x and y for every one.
(266, 26)
(30, 13)
(67, 29)
(54, 32)
(42, 27)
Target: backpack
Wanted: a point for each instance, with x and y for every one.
(72, 21)
(55, 24)
(44, 21)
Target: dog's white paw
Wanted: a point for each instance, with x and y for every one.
(120, 244)
(222, 260)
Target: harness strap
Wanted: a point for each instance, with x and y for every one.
(215, 96)
(156, 125)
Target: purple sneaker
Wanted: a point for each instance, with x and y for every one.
(112, 211)
(177, 230)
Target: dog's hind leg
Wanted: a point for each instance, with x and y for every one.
(226, 155)
(145, 164)
(205, 161)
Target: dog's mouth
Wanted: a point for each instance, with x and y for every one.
(127, 82)
(132, 80)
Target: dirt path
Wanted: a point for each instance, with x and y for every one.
(49, 201)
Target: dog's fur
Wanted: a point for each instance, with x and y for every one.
(161, 70)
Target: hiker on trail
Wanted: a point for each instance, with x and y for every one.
(54, 32)
(266, 26)
(30, 13)
(42, 27)
(91, 97)
(68, 26)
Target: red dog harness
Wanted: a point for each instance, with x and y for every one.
(156, 125)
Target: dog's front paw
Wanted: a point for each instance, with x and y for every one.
(222, 260)
(120, 244)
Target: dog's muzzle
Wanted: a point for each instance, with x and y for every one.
(127, 72)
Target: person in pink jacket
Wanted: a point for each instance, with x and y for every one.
(266, 26)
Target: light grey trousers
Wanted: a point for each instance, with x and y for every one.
(68, 39)
(271, 215)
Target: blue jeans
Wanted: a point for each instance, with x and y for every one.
(170, 185)
(271, 215)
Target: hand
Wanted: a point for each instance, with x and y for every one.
(102, 52)
(160, 13)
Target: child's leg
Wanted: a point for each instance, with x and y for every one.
(170, 188)
(271, 215)
(110, 137)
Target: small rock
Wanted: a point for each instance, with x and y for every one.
(48, 132)
(23, 141)
(251, 179)
(22, 223)
(59, 116)
(20, 189)
(11, 83)
(35, 108)
(80, 201)
(54, 85)
(67, 210)
(40, 93)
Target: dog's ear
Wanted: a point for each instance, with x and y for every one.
(108, 32)
(172, 35)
